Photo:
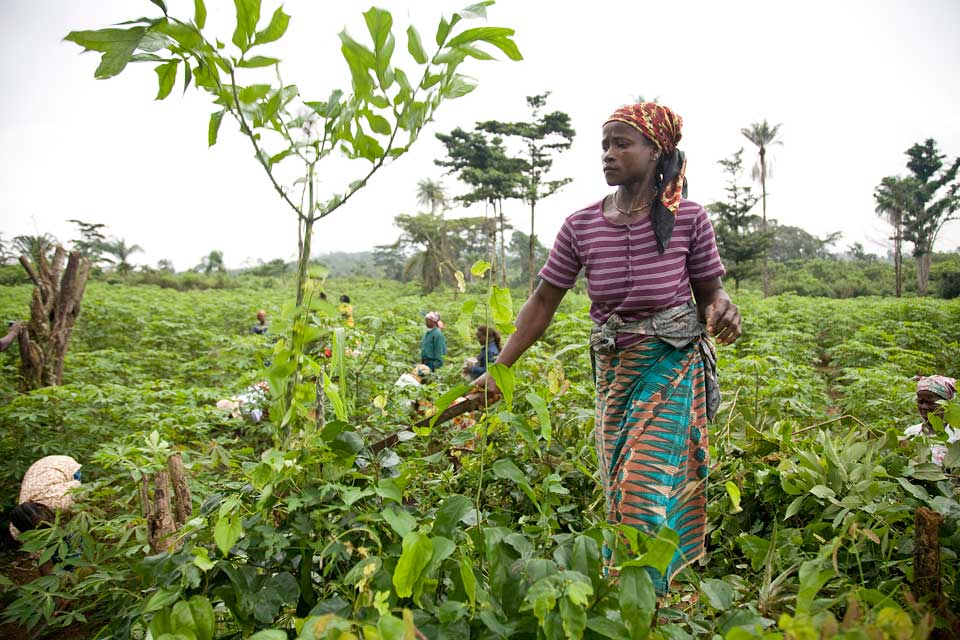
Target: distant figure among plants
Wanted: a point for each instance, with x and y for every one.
(433, 346)
(932, 391)
(413, 378)
(346, 310)
(261, 327)
(489, 339)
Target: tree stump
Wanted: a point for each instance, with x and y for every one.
(164, 515)
(926, 556)
(54, 309)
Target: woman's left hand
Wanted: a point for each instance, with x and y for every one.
(723, 320)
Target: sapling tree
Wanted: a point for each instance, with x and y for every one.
(374, 122)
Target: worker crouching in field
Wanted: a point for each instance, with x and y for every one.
(44, 492)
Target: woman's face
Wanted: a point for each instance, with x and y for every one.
(627, 154)
(927, 404)
(482, 336)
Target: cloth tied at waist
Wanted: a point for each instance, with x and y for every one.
(677, 326)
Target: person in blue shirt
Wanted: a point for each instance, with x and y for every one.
(261, 327)
(489, 340)
(433, 346)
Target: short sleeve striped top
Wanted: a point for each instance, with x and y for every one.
(625, 273)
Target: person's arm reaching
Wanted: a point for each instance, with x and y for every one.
(532, 321)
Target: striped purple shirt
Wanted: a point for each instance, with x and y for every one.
(625, 273)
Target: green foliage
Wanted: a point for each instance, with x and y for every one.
(298, 524)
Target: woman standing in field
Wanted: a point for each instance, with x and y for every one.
(642, 249)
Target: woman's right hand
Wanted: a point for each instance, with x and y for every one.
(486, 387)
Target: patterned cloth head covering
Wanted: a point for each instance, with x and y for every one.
(433, 316)
(943, 386)
(49, 481)
(662, 127)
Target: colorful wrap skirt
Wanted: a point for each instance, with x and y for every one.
(652, 445)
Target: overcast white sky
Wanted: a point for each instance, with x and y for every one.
(854, 83)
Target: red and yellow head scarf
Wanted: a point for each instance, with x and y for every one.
(662, 127)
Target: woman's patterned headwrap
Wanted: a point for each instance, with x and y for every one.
(943, 386)
(662, 127)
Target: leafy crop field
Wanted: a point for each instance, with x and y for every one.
(489, 530)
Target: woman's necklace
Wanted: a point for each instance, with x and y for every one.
(630, 212)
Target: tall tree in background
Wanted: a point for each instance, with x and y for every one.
(212, 263)
(481, 161)
(739, 237)
(763, 136)
(119, 249)
(934, 202)
(543, 137)
(430, 193)
(525, 266)
(430, 246)
(894, 196)
(35, 246)
(91, 241)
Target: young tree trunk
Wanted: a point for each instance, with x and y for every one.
(898, 259)
(503, 250)
(926, 556)
(183, 504)
(531, 264)
(923, 273)
(54, 309)
(159, 514)
(763, 191)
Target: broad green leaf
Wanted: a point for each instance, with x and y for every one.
(479, 268)
(248, 15)
(734, 492)
(479, 33)
(719, 594)
(400, 521)
(443, 30)
(447, 399)
(378, 124)
(501, 308)
(269, 634)
(167, 76)
(379, 22)
(226, 533)
(794, 508)
(202, 559)
(585, 557)
(416, 554)
(459, 86)
(199, 13)
(258, 61)
(162, 598)
(638, 600)
(214, 127)
(160, 3)
(811, 581)
(607, 628)
(478, 10)
(415, 45)
(116, 45)
(506, 469)
(504, 377)
(275, 30)
(360, 60)
(469, 580)
(451, 510)
(540, 406)
(823, 491)
(249, 95)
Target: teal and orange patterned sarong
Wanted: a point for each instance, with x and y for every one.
(651, 439)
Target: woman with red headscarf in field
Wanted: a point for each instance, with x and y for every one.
(642, 249)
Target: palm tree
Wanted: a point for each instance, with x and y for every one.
(430, 193)
(894, 196)
(33, 246)
(118, 247)
(763, 136)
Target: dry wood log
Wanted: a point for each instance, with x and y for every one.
(471, 403)
(181, 490)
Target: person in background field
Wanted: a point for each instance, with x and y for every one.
(643, 249)
(931, 391)
(413, 378)
(433, 346)
(261, 327)
(43, 492)
(489, 340)
(346, 310)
